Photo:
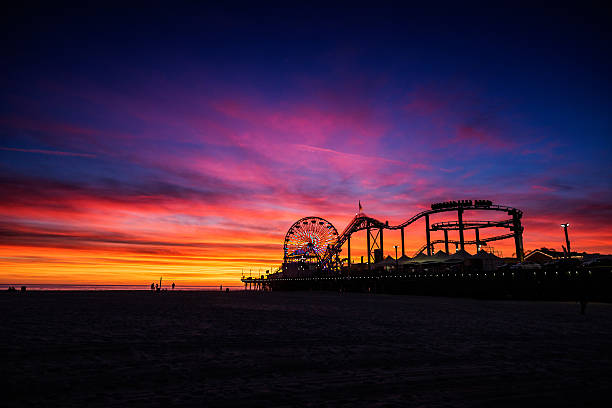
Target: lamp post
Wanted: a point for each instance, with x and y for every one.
(395, 246)
(567, 242)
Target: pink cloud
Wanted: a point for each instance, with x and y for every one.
(477, 137)
(541, 188)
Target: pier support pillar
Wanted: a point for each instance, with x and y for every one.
(477, 240)
(403, 249)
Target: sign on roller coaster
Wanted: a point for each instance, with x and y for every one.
(327, 251)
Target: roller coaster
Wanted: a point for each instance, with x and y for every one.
(315, 240)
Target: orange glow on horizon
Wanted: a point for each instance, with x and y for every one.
(199, 254)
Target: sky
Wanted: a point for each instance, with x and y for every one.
(186, 142)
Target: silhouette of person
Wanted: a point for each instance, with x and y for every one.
(221, 288)
(583, 288)
(152, 286)
(157, 288)
(173, 285)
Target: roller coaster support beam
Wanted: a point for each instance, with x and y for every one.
(403, 249)
(460, 220)
(477, 240)
(375, 241)
(518, 236)
(348, 247)
(368, 245)
(427, 234)
(382, 251)
(446, 241)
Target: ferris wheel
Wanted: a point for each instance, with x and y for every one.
(308, 239)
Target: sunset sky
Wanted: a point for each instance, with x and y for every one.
(157, 144)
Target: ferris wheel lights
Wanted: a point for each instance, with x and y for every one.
(309, 243)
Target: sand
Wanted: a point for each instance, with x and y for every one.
(299, 349)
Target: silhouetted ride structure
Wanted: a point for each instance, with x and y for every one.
(313, 246)
(315, 240)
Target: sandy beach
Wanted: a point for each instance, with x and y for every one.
(299, 349)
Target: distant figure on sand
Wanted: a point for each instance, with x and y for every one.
(157, 288)
(583, 304)
(221, 288)
(583, 289)
(173, 285)
(153, 286)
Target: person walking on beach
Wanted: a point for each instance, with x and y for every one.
(153, 287)
(583, 289)
(173, 285)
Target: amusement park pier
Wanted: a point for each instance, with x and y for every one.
(312, 260)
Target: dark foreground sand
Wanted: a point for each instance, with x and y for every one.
(296, 349)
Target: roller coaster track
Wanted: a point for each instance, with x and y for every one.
(361, 222)
(454, 225)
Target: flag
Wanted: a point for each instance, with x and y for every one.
(360, 207)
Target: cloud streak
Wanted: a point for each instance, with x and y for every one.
(50, 152)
